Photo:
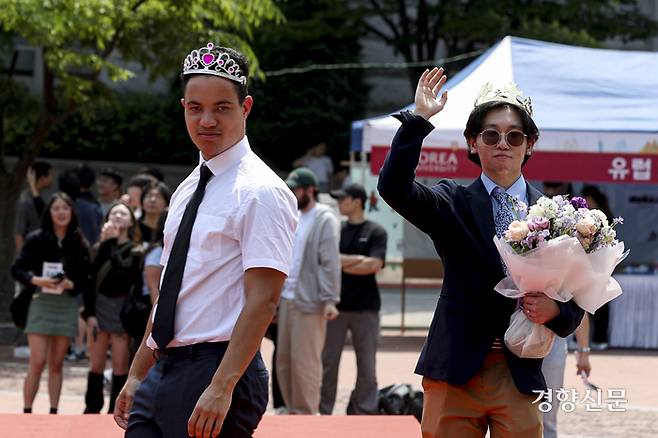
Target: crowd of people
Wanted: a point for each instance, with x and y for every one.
(182, 287)
(80, 257)
(118, 243)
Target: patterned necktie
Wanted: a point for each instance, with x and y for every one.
(504, 215)
(163, 325)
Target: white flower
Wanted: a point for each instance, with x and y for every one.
(608, 236)
(568, 210)
(517, 231)
(521, 208)
(549, 206)
(587, 226)
(536, 211)
(600, 216)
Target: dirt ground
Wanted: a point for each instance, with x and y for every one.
(631, 370)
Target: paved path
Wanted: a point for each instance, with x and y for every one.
(634, 371)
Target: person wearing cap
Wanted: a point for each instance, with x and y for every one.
(227, 248)
(362, 255)
(471, 381)
(308, 299)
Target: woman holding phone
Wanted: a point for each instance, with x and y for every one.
(116, 272)
(54, 264)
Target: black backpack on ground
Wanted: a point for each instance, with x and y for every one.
(401, 399)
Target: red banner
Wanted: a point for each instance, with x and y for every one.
(544, 165)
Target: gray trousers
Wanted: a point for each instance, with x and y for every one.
(364, 328)
(553, 370)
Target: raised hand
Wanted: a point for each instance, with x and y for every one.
(429, 85)
(109, 231)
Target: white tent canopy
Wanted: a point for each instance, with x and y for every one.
(585, 100)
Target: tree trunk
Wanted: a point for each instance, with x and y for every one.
(8, 197)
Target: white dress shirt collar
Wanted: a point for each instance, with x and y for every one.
(224, 161)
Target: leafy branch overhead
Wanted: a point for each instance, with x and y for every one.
(81, 40)
(86, 44)
(418, 29)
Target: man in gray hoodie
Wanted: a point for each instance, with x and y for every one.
(308, 299)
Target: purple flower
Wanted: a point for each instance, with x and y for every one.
(618, 220)
(578, 202)
(538, 224)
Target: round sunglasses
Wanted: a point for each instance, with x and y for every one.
(514, 138)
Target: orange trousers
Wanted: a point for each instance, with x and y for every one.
(490, 400)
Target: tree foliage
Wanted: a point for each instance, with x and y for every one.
(419, 30)
(295, 111)
(134, 126)
(85, 45)
(83, 39)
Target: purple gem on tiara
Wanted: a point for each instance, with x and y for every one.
(208, 58)
(231, 70)
(220, 62)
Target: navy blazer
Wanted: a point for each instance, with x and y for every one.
(469, 314)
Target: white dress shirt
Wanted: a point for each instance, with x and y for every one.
(247, 219)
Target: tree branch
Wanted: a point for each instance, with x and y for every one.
(31, 150)
(421, 29)
(404, 18)
(370, 28)
(381, 13)
(115, 38)
(10, 74)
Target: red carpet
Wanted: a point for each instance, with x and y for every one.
(103, 426)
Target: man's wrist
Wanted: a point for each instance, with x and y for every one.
(422, 114)
(225, 384)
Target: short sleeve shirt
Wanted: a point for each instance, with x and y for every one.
(360, 292)
(247, 219)
(27, 217)
(321, 166)
(152, 258)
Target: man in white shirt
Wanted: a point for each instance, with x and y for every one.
(320, 164)
(308, 299)
(227, 248)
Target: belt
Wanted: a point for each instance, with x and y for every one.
(192, 350)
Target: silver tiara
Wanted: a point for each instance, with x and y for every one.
(510, 93)
(210, 61)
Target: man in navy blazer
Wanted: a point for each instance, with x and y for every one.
(472, 382)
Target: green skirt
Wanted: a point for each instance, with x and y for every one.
(53, 315)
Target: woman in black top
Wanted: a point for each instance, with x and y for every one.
(116, 272)
(54, 265)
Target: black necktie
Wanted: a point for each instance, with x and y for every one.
(163, 325)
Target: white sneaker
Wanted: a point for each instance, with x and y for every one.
(599, 346)
(281, 410)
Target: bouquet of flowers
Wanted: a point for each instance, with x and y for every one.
(561, 248)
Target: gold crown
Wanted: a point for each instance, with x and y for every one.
(510, 93)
